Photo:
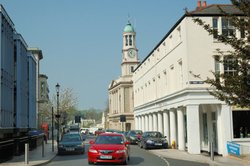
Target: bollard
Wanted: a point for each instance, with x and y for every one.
(173, 144)
(43, 149)
(211, 151)
(26, 153)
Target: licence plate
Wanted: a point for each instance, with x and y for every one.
(70, 149)
(105, 157)
(158, 144)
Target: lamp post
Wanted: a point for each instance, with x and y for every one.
(52, 129)
(58, 115)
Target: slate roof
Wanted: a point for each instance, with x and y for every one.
(207, 11)
(216, 9)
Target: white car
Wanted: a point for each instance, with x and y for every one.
(84, 130)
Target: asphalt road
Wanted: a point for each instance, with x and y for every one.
(138, 157)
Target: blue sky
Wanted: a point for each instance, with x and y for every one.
(81, 40)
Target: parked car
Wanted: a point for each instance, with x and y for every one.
(109, 148)
(71, 142)
(134, 136)
(92, 130)
(153, 139)
(84, 130)
(111, 131)
(99, 131)
(122, 132)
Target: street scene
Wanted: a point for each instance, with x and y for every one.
(125, 83)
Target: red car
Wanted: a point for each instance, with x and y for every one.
(99, 131)
(109, 148)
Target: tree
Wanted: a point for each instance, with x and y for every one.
(67, 105)
(233, 88)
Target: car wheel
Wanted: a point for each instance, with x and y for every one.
(126, 161)
(90, 163)
(140, 145)
(145, 146)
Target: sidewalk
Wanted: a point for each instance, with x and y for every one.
(35, 156)
(183, 155)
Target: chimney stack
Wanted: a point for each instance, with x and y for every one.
(199, 4)
(204, 4)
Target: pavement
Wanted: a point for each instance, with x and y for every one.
(202, 158)
(36, 157)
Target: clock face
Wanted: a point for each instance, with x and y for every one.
(131, 53)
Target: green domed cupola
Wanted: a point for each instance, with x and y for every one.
(128, 28)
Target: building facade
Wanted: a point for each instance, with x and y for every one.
(18, 89)
(44, 105)
(38, 55)
(120, 115)
(169, 99)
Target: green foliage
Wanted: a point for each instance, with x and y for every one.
(233, 89)
(91, 113)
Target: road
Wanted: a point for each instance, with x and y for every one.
(138, 157)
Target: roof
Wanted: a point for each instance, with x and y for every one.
(111, 134)
(216, 9)
(129, 28)
(35, 50)
(208, 11)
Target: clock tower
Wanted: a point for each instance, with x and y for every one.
(121, 97)
(129, 51)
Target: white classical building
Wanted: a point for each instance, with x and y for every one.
(169, 99)
(121, 105)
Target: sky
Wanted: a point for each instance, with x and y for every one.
(81, 40)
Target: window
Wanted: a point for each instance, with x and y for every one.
(227, 27)
(205, 131)
(179, 32)
(126, 40)
(215, 28)
(230, 65)
(242, 30)
(131, 69)
(130, 40)
(241, 123)
(217, 64)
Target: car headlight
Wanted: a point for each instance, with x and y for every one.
(133, 138)
(165, 141)
(60, 146)
(92, 151)
(149, 141)
(120, 151)
(79, 145)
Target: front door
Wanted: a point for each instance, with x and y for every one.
(214, 131)
(128, 127)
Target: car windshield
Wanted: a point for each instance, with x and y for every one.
(71, 138)
(154, 135)
(104, 139)
(136, 132)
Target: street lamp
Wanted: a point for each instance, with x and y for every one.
(58, 115)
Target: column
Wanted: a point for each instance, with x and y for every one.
(193, 129)
(136, 122)
(150, 124)
(155, 122)
(226, 134)
(166, 125)
(146, 122)
(160, 128)
(139, 127)
(143, 123)
(181, 132)
(173, 135)
(122, 100)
